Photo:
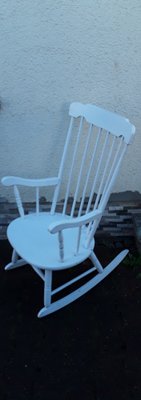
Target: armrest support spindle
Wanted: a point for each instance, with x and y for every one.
(18, 201)
(61, 245)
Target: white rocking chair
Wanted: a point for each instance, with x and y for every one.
(52, 241)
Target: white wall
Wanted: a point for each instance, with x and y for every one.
(55, 52)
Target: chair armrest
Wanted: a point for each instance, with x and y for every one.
(74, 222)
(15, 180)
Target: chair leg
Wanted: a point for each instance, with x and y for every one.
(47, 293)
(47, 288)
(96, 262)
(15, 262)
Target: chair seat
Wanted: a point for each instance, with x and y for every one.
(30, 237)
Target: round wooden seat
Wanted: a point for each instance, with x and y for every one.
(32, 241)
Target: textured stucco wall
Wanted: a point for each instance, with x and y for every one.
(55, 52)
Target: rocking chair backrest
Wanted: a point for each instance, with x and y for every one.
(100, 141)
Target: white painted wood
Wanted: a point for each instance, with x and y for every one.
(39, 272)
(76, 279)
(105, 198)
(47, 288)
(107, 120)
(104, 174)
(14, 256)
(97, 172)
(78, 240)
(61, 245)
(72, 164)
(57, 305)
(114, 164)
(18, 201)
(89, 172)
(15, 180)
(81, 170)
(102, 186)
(74, 222)
(19, 263)
(55, 197)
(55, 241)
(37, 200)
(36, 245)
(96, 262)
(113, 176)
